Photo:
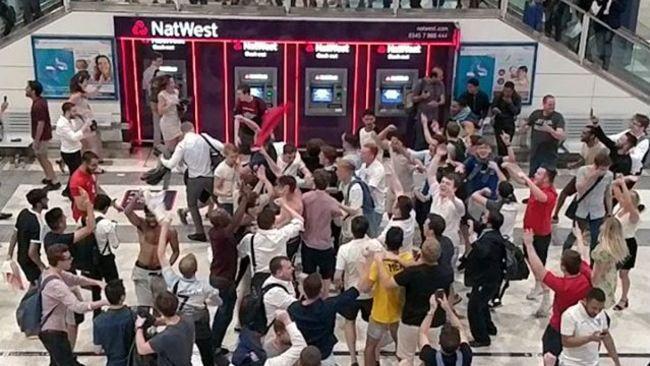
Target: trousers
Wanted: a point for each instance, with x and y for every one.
(478, 311)
(72, 161)
(223, 317)
(58, 346)
(193, 189)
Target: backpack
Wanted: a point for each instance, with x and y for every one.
(515, 268)
(368, 206)
(256, 316)
(29, 314)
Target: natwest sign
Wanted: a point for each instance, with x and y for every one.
(176, 29)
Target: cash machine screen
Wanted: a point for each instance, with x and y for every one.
(257, 91)
(391, 96)
(322, 95)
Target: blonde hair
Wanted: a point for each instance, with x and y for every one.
(611, 239)
(430, 251)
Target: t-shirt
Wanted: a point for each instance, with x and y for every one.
(577, 322)
(350, 255)
(568, 291)
(113, 330)
(420, 282)
(319, 208)
(375, 176)
(173, 346)
(387, 303)
(81, 179)
(543, 144)
(193, 294)
(28, 231)
(227, 173)
(52, 238)
(435, 88)
(408, 229)
(538, 214)
(428, 356)
(253, 110)
(41, 113)
(446, 252)
(480, 175)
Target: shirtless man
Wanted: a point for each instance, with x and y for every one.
(147, 269)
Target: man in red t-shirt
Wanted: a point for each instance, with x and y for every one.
(571, 287)
(537, 218)
(84, 178)
(249, 110)
(41, 132)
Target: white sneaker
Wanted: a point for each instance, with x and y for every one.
(544, 307)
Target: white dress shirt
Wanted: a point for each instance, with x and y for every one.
(106, 236)
(292, 355)
(277, 298)
(70, 134)
(375, 176)
(353, 199)
(268, 244)
(194, 152)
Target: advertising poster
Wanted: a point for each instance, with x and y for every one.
(494, 64)
(58, 59)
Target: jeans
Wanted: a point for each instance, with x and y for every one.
(224, 314)
(478, 311)
(194, 188)
(584, 224)
(58, 346)
(203, 337)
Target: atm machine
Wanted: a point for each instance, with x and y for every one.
(393, 91)
(263, 82)
(326, 91)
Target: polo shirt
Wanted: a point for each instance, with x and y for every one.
(82, 179)
(577, 322)
(538, 214)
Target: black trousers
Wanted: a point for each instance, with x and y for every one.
(478, 311)
(224, 314)
(106, 270)
(203, 337)
(73, 162)
(58, 346)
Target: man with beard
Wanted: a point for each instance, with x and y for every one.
(147, 267)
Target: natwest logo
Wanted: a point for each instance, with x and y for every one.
(179, 29)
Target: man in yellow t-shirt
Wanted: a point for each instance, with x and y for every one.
(387, 303)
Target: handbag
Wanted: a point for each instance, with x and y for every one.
(215, 155)
(573, 207)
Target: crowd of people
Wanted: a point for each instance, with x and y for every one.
(385, 229)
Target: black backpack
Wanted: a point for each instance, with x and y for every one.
(256, 315)
(515, 267)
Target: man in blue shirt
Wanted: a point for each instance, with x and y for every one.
(113, 329)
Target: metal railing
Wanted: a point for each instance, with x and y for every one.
(15, 14)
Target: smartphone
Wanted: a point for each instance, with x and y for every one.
(591, 112)
(5, 99)
(440, 293)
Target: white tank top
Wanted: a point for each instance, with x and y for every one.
(629, 227)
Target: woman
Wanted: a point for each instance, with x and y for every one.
(103, 72)
(610, 251)
(170, 120)
(629, 216)
(80, 93)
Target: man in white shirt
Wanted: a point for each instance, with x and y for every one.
(584, 326)
(373, 173)
(194, 152)
(278, 290)
(106, 239)
(268, 242)
(70, 132)
(347, 276)
(352, 195)
(226, 176)
(289, 163)
(638, 126)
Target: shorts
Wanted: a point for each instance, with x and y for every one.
(42, 148)
(541, 244)
(551, 341)
(323, 260)
(143, 278)
(293, 245)
(377, 330)
(630, 261)
(351, 311)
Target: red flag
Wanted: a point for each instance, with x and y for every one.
(270, 121)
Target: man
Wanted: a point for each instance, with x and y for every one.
(537, 218)
(373, 174)
(387, 300)
(619, 150)
(428, 95)
(113, 329)
(347, 276)
(316, 317)
(278, 291)
(610, 12)
(434, 228)
(588, 151)
(548, 132)
(571, 287)
(460, 112)
(584, 326)
(268, 242)
(484, 264)
(454, 349)
(639, 153)
(483, 170)
(357, 198)
(226, 176)
(194, 152)
(594, 195)
(41, 132)
(70, 133)
(289, 163)
(27, 234)
(147, 268)
(194, 295)
(248, 108)
(505, 108)
(320, 209)
(57, 300)
(172, 346)
(3, 108)
(106, 239)
(420, 281)
(476, 99)
(149, 73)
(84, 180)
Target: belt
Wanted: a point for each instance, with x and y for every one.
(148, 268)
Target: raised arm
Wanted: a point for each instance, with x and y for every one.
(583, 249)
(162, 244)
(534, 262)
(534, 189)
(172, 236)
(393, 181)
(452, 318)
(129, 210)
(480, 196)
(624, 197)
(425, 326)
(275, 169)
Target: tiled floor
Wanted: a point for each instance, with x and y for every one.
(518, 342)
